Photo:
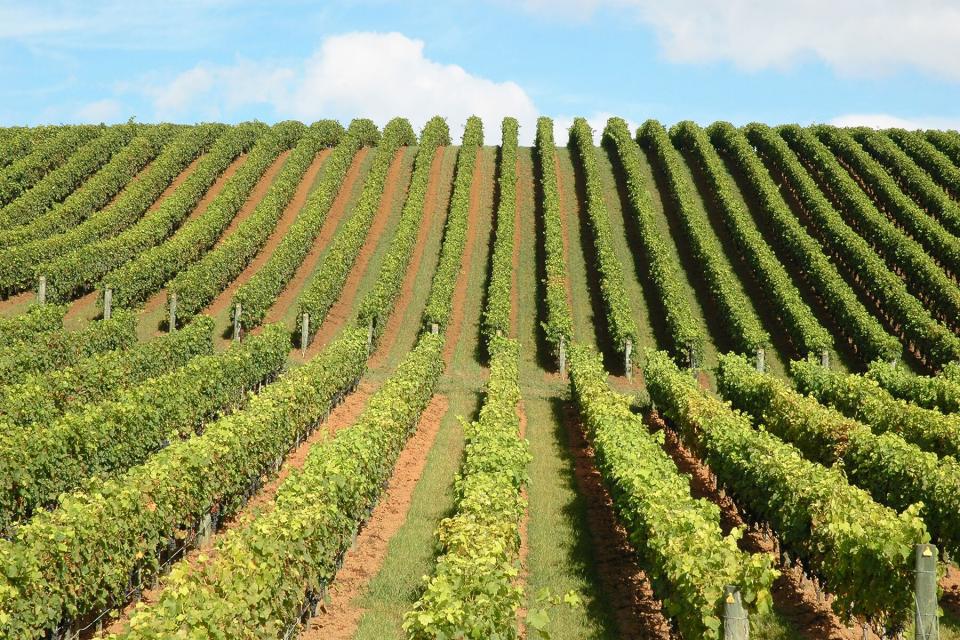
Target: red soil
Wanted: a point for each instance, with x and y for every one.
(259, 191)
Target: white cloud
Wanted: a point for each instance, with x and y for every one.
(863, 37)
(374, 75)
(106, 110)
(887, 121)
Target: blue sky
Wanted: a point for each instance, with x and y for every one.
(861, 61)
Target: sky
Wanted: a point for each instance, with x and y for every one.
(874, 62)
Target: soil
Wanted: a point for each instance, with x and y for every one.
(337, 210)
(286, 221)
(388, 337)
(80, 310)
(340, 312)
(794, 595)
(17, 303)
(216, 188)
(341, 615)
(626, 587)
(455, 324)
(950, 583)
(259, 191)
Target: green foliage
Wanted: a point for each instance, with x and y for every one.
(256, 582)
(932, 229)
(678, 538)
(496, 315)
(41, 397)
(40, 462)
(665, 272)
(258, 294)
(61, 182)
(198, 285)
(440, 302)
(378, 302)
(894, 472)
(934, 340)
(805, 331)
(116, 526)
(809, 260)
(80, 271)
(903, 254)
(136, 280)
(930, 392)
(334, 267)
(735, 311)
(46, 156)
(860, 549)
(38, 318)
(474, 591)
(559, 324)
(620, 323)
(59, 348)
(22, 140)
(863, 399)
(18, 264)
(97, 191)
(948, 142)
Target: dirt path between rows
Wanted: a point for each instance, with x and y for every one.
(17, 303)
(455, 325)
(627, 588)
(340, 616)
(259, 191)
(343, 415)
(794, 596)
(286, 221)
(390, 331)
(337, 210)
(341, 310)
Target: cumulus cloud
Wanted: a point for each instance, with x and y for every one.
(863, 37)
(887, 121)
(374, 75)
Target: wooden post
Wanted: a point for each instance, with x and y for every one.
(370, 330)
(42, 290)
(627, 363)
(173, 312)
(925, 593)
(692, 356)
(304, 332)
(825, 358)
(107, 302)
(761, 363)
(736, 626)
(434, 328)
(236, 323)
(562, 357)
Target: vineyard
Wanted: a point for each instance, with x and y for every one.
(359, 382)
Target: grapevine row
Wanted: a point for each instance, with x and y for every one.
(59, 348)
(820, 275)
(96, 192)
(41, 397)
(559, 324)
(80, 271)
(896, 473)
(805, 331)
(863, 399)
(947, 142)
(47, 155)
(134, 281)
(64, 180)
(743, 325)
(907, 314)
(903, 254)
(930, 392)
(440, 302)
(257, 295)
(38, 318)
(334, 267)
(936, 236)
(496, 317)
(621, 325)
(120, 527)
(376, 305)
(18, 264)
(815, 511)
(199, 284)
(662, 264)
(22, 140)
(941, 175)
(678, 537)
(40, 462)
(292, 551)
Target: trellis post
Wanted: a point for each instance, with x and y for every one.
(304, 332)
(925, 618)
(627, 360)
(237, 310)
(825, 358)
(562, 356)
(173, 312)
(736, 626)
(761, 360)
(107, 302)
(42, 290)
